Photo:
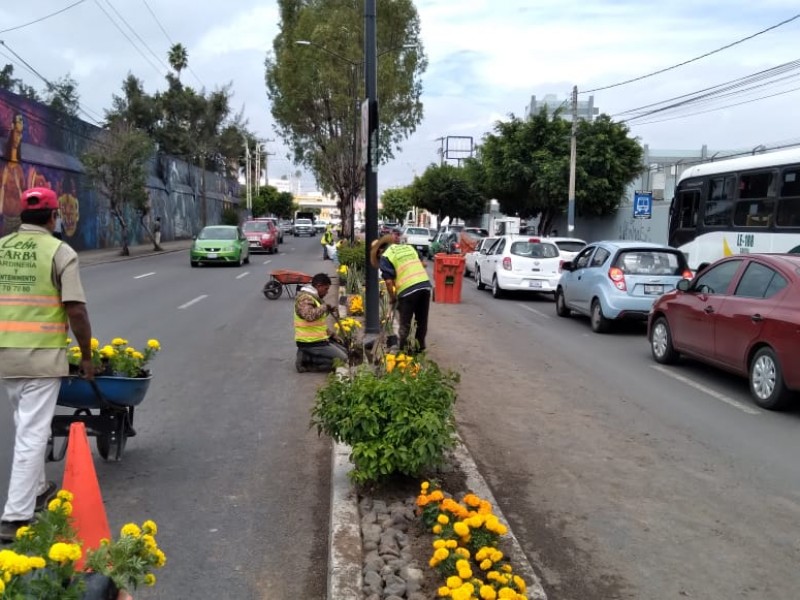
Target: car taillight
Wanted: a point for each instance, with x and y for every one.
(687, 274)
(618, 277)
(507, 263)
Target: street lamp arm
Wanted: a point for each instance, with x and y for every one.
(397, 49)
(326, 51)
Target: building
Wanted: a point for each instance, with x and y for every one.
(586, 108)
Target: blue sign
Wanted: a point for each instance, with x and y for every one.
(642, 205)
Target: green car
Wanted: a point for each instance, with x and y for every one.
(222, 244)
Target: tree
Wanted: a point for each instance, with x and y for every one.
(315, 89)
(446, 191)
(117, 167)
(396, 203)
(525, 165)
(178, 58)
(62, 96)
(284, 206)
(12, 84)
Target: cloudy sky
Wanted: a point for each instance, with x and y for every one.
(487, 58)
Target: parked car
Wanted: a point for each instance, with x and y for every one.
(470, 258)
(221, 244)
(519, 262)
(417, 237)
(741, 314)
(262, 235)
(569, 247)
(277, 224)
(615, 280)
(303, 227)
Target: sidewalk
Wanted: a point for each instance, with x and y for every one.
(107, 255)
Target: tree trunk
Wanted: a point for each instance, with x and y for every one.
(347, 210)
(123, 227)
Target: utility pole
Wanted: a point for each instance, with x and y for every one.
(258, 166)
(573, 159)
(247, 176)
(372, 316)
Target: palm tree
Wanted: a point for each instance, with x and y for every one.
(178, 58)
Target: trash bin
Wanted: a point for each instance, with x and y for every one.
(448, 273)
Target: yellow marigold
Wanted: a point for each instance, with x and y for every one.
(465, 573)
(475, 521)
(486, 564)
(2, 587)
(422, 500)
(343, 270)
(150, 579)
(75, 350)
(437, 496)
(389, 367)
(131, 529)
(95, 343)
(62, 553)
(161, 558)
(129, 351)
(424, 486)
(442, 519)
(441, 554)
(153, 345)
(54, 504)
(149, 542)
(506, 568)
(451, 544)
(118, 341)
(462, 564)
(23, 531)
(520, 583)
(482, 553)
(150, 527)
(485, 508)
(454, 582)
(461, 528)
(437, 529)
(488, 592)
(501, 529)
(472, 500)
(462, 552)
(439, 544)
(65, 495)
(507, 592)
(37, 562)
(492, 575)
(108, 351)
(69, 341)
(444, 592)
(66, 507)
(433, 562)
(496, 556)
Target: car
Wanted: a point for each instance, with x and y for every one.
(285, 226)
(521, 263)
(419, 237)
(219, 244)
(569, 247)
(387, 226)
(262, 235)
(471, 258)
(616, 280)
(320, 225)
(740, 314)
(476, 231)
(303, 227)
(276, 222)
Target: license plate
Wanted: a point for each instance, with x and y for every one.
(653, 289)
(535, 284)
(212, 255)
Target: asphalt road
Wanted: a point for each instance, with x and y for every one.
(622, 479)
(224, 460)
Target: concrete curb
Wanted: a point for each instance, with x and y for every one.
(88, 260)
(345, 558)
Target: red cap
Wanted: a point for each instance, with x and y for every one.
(39, 198)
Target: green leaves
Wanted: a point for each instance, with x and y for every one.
(394, 422)
(446, 190)
(396, 203)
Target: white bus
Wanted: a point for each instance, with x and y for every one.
(736, 206)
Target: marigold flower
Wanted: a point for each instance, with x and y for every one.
(61, 552)
(462, 552)
(424, 486)
(462, 564)
(488, 592)
(437, 496)
(486, 564)
(95, 343)
(443, 592)
(422, 500)
(118, 341)
(437, 529)
(485, 508)
(465, 573)
(150, 579)
(501, 529)
(461, 528)
(507, 592)
(520, 583)
(506, 568)
(496, 556)
(54, 504)
(443, 519)
(454, 582)
(131, 529)
(161, 558)
(440, 543)
(451, 544)
(441, 554)
(153, 344)
(472, 500)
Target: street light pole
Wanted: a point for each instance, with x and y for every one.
(372, 317)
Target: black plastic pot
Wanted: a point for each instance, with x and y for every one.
(99, 587)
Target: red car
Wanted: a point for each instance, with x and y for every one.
(741, 314)
(262, 235)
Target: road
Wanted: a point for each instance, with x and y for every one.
(224, 460)
(621, 478)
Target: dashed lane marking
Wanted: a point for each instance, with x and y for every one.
(266, 262)
(707, 390)
(143, 275)
(195, 301)
(245, 274)
(533, 310)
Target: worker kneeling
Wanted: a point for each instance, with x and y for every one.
(316, 351)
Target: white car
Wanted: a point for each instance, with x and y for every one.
(569, 247)
(521, 263)
(471, 258)
(419, 237)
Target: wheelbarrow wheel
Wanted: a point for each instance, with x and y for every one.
(273, 290)
(111, 446)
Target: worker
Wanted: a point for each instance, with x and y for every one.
(326, 240)
(316, 351)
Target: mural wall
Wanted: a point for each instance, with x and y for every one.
(40, 147)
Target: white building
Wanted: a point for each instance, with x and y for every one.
(586, 108)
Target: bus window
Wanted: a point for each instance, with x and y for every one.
(788, 206)
(688, 205)
(753, 213)
(718, 211)
(756, 185)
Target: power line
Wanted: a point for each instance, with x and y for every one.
(169, 39)
(686, 62)
(127, 37)
(50, 86)
(138, 37)
(40, 19)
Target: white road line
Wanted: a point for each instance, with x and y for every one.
(533, 310)
(195, 301)
(245, 274)
(266, 262)
(707, 390)
(143, 275)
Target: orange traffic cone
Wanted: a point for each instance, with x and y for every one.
(88, 512)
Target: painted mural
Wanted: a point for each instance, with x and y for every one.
(41, 148)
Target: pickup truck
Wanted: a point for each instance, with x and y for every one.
(303, 227)
(419, 237)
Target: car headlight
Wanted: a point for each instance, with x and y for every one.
(229, 249)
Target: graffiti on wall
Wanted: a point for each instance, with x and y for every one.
(40, 148)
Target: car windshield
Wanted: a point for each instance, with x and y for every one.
(416, 231)
(256, 226)
(534, 250)
(651, 262)
(570, 246)
(217, 233)
(303, 222)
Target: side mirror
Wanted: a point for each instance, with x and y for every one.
(568, 266)
(684, 285)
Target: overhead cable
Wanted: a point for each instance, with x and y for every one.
(127, 37)
(40, 19)
(686, 62)
(134, 32)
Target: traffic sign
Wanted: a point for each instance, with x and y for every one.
(642, 205)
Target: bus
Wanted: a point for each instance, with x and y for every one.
(736, 206)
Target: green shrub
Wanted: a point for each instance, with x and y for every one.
(396, 422)
(230, 216)
(352, 255)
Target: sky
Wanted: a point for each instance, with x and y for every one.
(486, 59)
